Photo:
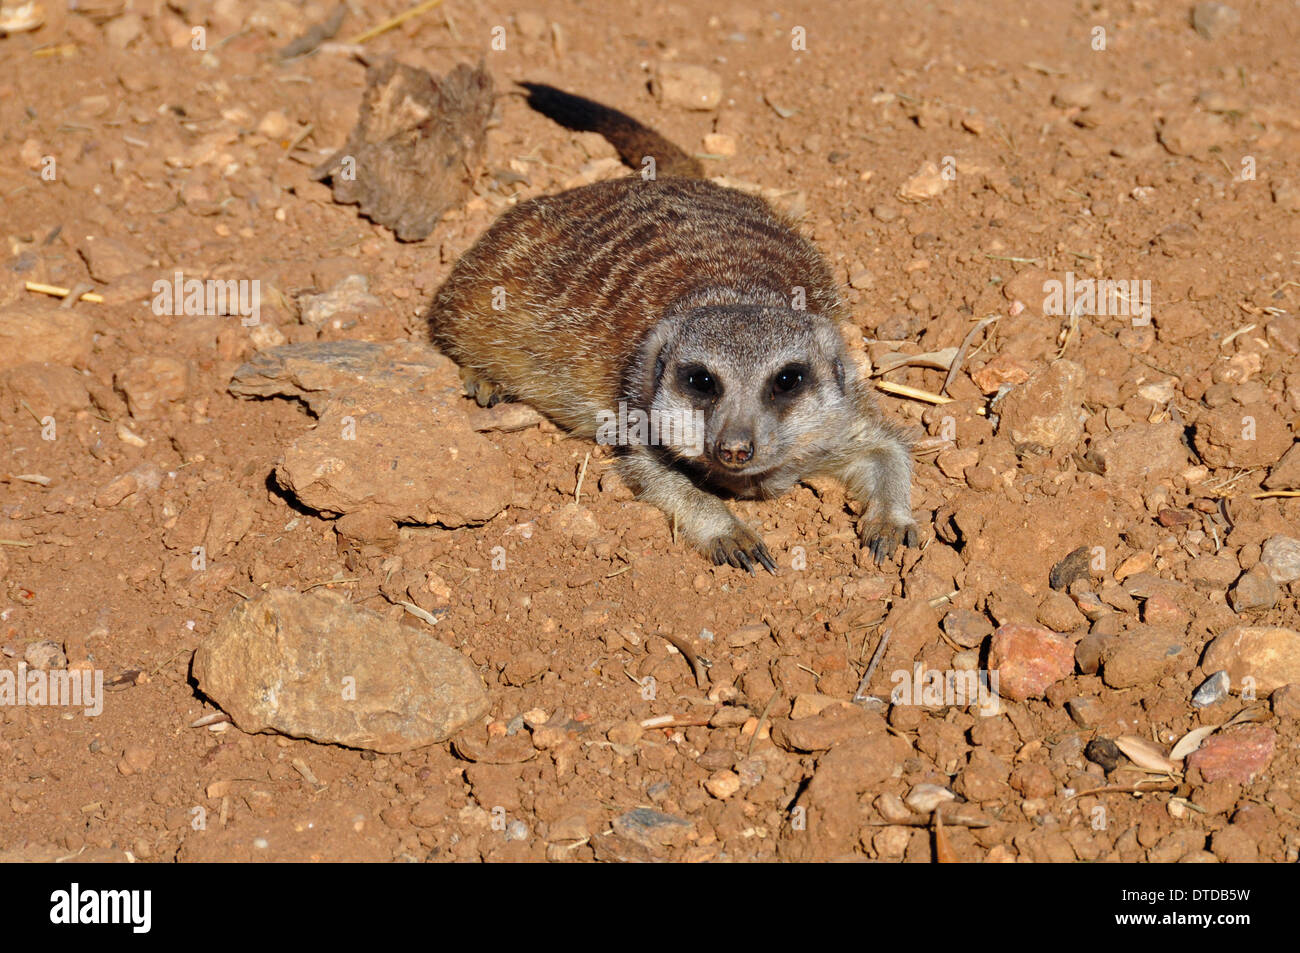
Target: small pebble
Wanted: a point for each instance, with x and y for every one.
(1086, 711)
(1212, 691)
(1281, 557)
(1104, 752)
(892, 808)
(723, 784)
(924, 798)
(45, 655)
(690, 87)
(516, 830)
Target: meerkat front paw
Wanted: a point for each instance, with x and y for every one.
(882, 535)
(485, 393)
(741, 547)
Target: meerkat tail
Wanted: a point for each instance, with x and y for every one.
(633, 140)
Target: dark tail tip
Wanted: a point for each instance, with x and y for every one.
(572, 112)
(632, 139)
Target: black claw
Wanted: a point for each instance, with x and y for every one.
(912, 538)
(743, 555)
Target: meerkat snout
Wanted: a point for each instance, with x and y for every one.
(734, 451)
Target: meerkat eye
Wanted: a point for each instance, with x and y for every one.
(700, 381)
(789, 379)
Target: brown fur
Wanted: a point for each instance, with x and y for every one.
(587, 273)
(629, 291)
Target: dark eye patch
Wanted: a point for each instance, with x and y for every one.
(789, 380)
(698, 380)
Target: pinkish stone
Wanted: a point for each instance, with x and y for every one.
(1029, 659)
(1161, 610)
(1236, 756)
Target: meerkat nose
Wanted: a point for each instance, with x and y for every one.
(735, 451)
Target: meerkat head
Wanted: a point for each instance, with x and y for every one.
(751, 387)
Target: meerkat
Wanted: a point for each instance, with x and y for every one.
(670, 299)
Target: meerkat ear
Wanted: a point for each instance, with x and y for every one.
(653, 359)
(831, 340)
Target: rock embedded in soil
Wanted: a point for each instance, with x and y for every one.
(1058, 612)
(509, 418)
(721, 144)
(475, 744)
(1281, 557)
(829, 727)
(149, 384)
(230, 516)
(1028, 660)
(722, 784)
(136, 759)
(1076, 95)
(45, 655)
(524, 667)
(1285, 474)
(311, 665)
(1033, 780)
(45, 388)
(968, 629)
(1046, 410)
(625, 732)
(1238, 755)
(116, 490)
(833, 798)
(687, 86)
(748, 635)
(925, 797)
(41, 333)
(1003, 369)
(1286, 702)
(653, 829)
(318, 372)
(417, 146)
(108, 259)
(1286, 194)
(1086, 711)
(1076, 565)
(393, 437)
(1212, 691)
(1141, 453)
(984, 778)
(350, 298)
(1236, 435)
(366, 528)
(1269, 655)
(1213, 571)
(926, 183)
(1254, 591)
(1185, 132)
(1143, 656)
(1232, 845)
(1104, 752)
(1213, 20)
(1159, 609)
